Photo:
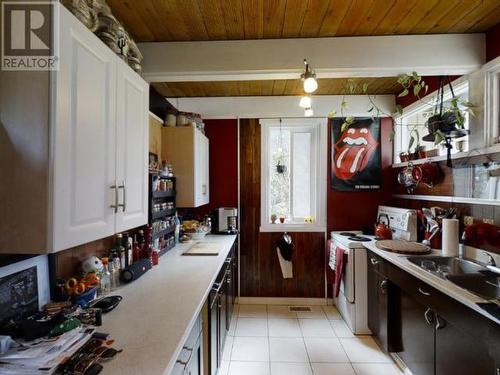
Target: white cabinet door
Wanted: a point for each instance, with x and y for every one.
(201, 169)
(83, 137)
(132, 132)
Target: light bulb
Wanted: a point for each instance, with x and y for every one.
(308, 112)
(310, 85)
(305, 102)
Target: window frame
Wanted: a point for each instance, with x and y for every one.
(401, 138)
(318, 128)
(492, 103)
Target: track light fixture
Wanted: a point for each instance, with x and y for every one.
(305, 101)
(309, 78)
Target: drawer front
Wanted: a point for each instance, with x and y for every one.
(377, 263)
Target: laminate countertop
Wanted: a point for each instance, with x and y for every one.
(445, 286)
(158, 310)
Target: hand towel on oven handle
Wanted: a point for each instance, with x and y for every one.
(340, 262)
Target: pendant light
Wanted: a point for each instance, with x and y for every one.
(309, 78)
(305, 101)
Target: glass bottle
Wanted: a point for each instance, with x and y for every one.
(127, 243)
(136, 251)
(116, 273)
(147, 248)
(105, 281)
(120, 250)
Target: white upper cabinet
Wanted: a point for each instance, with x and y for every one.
(84, 140)
(101, 139)
(81, 152)
(132, 149)
(187, 149)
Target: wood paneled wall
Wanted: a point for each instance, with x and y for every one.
(259, 266)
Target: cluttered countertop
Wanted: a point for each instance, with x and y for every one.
(158, 310)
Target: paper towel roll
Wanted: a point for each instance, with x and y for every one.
(450, 237)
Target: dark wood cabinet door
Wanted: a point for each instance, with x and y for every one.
(459, 353)
(417, 336)
(373, 301)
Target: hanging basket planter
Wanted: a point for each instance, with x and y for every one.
(444, 126)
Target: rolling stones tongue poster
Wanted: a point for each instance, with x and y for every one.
(356, 164)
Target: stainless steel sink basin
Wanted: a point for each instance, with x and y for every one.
(464, 273)
(446, 265)
(485, 284)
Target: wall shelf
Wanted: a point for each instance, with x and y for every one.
(477, 155)
(448, 199)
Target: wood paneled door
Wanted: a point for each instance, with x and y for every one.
(259, 267)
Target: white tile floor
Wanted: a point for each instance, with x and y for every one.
(270, 340)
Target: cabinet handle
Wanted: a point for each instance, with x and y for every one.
(123, 205)
(440, 323)
(114, 206)
(374, 261)
(423, 292)
(383, 286)
(427, 316)
(204, 189)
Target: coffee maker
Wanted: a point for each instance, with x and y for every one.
(225, 220)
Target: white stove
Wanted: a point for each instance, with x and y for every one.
(352, 301)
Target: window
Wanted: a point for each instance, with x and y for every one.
(293, 174)
(492, 103)
(414, 118)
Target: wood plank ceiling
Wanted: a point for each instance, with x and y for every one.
(180, 20)
(326, 86)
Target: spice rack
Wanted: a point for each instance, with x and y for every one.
(162, 193)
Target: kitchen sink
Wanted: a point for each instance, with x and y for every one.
(464, 273)
(443, 266)
(485, 284)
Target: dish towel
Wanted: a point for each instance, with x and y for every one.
(284, 250)
(340, 262)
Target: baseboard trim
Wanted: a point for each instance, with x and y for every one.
(282, 301)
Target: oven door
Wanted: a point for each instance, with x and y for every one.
(347, 283)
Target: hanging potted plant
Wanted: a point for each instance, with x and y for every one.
(447, 123)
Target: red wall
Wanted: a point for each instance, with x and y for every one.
(358, 210)
(493, 43)
(223, 138)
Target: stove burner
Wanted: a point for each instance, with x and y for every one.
(359, 239)
(348, 234)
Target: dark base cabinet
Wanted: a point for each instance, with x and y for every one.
(221, 306)
(417, 336)
(460, 353)
(383, 312)
(436, 334)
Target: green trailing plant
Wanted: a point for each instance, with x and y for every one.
(410, 83)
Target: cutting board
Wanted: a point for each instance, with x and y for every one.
(202, 250)
(403, 247)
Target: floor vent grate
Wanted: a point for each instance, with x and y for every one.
(299, 309)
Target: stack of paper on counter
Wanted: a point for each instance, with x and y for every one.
(43, 356)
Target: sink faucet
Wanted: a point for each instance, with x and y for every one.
(491, 260)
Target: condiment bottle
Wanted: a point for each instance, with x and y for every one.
(105, 280)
